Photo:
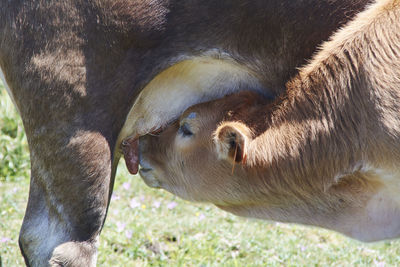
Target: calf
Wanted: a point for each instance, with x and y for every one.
(325, 153)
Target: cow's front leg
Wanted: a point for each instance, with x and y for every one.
(68, 196)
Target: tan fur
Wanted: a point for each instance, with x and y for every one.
(325, 153)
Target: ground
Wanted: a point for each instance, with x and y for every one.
(148, 227)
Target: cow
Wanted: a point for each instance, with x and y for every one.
(86, 74)
(326, 152)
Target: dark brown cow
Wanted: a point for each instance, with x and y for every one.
(325, 153)
(75, 68)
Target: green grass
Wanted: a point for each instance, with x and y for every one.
(147, 227)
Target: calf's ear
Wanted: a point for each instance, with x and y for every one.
(231, 140)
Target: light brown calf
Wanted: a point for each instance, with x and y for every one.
(325, 153)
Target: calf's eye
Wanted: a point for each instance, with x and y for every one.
(184, 130)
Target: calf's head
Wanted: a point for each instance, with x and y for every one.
(202, 156)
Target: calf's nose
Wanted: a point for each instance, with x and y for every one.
(143, 147)
(147, 172)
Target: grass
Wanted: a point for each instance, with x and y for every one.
(147, 227)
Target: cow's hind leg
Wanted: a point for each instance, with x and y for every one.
(68, 198)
